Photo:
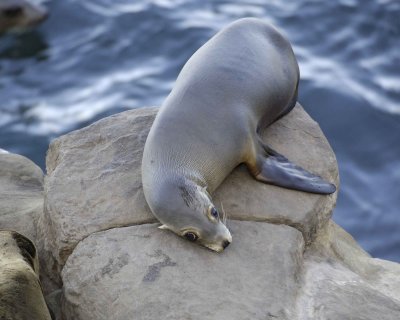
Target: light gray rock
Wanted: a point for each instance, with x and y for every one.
(287, 261)
(342, 281)
(21, 194)
(141, 272)
(332, 291)
(94, 181)
(335, 244)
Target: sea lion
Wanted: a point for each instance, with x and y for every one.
(240, 81)
(21, 296)
(20, 14)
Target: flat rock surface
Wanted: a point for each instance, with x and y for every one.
(332, 291)
(94, 181)
(21, 194)
(141, 272)
(341, 281)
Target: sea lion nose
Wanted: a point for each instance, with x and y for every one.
(225, 244)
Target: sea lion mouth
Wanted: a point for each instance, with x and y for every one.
(218, 247)
(214, 247)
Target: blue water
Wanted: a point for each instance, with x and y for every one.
(94, 58)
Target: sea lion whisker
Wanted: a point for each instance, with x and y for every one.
(224, 215)
(223, 212)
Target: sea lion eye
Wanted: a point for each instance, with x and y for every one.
(191, 236)
(214, 213)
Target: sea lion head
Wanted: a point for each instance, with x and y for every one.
(185, 208)
(16, 247)
(20, 14)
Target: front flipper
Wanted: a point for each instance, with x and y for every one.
(273, 168)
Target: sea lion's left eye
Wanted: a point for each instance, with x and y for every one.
(191, 236)
(214, 213)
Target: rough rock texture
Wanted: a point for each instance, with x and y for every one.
(144, 273)
(341, 281)
(332, 292)
(288, 260)
(94, 181)
(21, 194)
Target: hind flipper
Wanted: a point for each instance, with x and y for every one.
(273, 168)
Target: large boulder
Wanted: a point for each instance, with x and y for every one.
(21, 194)
(94, 181)
(267, 273)
(288, 260)
(139, 272)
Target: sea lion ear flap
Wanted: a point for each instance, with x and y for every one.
(27, 249)
(164, 227)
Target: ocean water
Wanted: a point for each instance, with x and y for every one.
(94, 58)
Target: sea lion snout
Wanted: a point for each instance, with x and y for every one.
(220, 247)
(223, 241)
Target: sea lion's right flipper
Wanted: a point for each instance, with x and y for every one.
(273, 168)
